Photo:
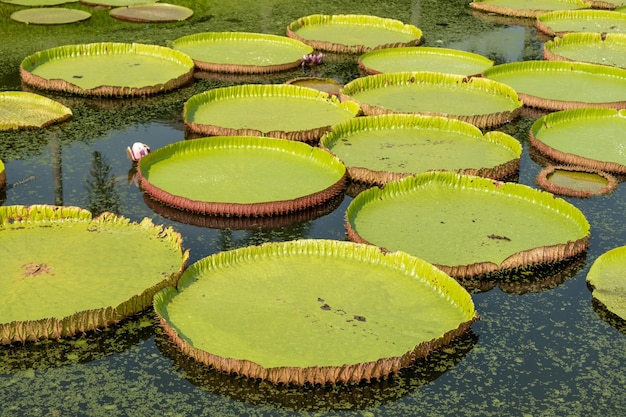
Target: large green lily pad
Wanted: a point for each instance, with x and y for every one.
(65, 273)
(421, 58)
(108, 69)
(22, 110)
(596, 48)
(468, 225)
(313, 311)
(50, 16)
(239, 52)
(379, 149)
(526, 8)
(278, 110)
(566, 137)
(607, 277)
(560, 22)
(241, 176)
(476, 100)
(559, 85)
(352, 33)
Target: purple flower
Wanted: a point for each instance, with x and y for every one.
(138, 151)
(312, 59)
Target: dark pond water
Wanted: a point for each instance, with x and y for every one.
(541, 349)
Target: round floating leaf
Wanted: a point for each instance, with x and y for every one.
(467, 225)
(38, 3)
(65, 273)
(565, 21)
(596, 48)
(565, 137)
(526, 8)
(116, 3)
(379, 149)
(22, 110)
(108, 69)
(352, 33)
(576, 181)
(240, 52)
(152, 13)
(607, 277)
(476, 100)
(50, 16)
(241, 176)
(276, 110)
(445, 60)
(313, 311)
(558, 85)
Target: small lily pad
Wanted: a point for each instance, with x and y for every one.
(313, 311)
(152, 13)
(597, 48)
(38, 3)
(607, 278)
(421, 58)
(526, 8)
(560, 22)
(575, 181)
(243, 53)
(352, 33)
(22, 110)
(58, 278)
(116, 3)
(50, 16)
(471, 99)
(327, 85)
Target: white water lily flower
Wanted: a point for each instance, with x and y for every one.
(138, 151)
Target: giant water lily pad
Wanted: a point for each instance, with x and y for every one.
(22, 110)
(575, 181)
(559, 85)
(352, 33)
(526, 8)
(313, 311)
(64, 272)
(108, 69)
(467, 225)
(277, 110)
(38, 3)
(379, 149)
(152, 13)
(566, 136)
(476, 100)
(596, 48)
(50, 16)
(239, 52)
(241, 176)
(565, 21)
(607, 277)
(421, 58)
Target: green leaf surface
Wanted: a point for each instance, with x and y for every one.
(313, 303)
(597, 48)
(20, 110)
(572, 132)
(451, 220)
(607, 277)
(599, 21)
(50, 16)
